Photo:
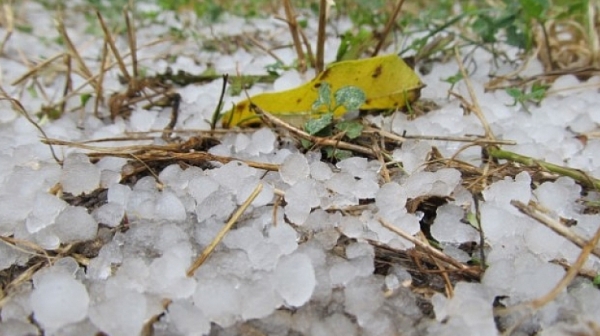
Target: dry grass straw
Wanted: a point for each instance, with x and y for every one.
(234, 218)
(473, 272)
(148, 154)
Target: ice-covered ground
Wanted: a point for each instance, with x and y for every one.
(279, 271)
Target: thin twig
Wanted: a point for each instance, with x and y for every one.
(475, 103)
(320, 64)
(571, 273)
(9, 25)
(388, 27)
(269, 118)
(262, 47)
(293, 25)
(432, 251)
(87, 74)
(113, 47)
(21, 110)
(99, 87)
(234, 218)
(553, 224)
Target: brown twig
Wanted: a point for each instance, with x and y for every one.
(388, 27)
(103, 69)
(430, 250)
(293, 25)
(320, 63)
(554, 225)
(269, 118)
(571, 273)
(262, 47)
(21, 110)
(9, 25)
(475, 107)
(87, 74)
(113, 48)
(234, 218)
(131, 37)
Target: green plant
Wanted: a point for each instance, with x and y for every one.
(521, 96)
(351, 98)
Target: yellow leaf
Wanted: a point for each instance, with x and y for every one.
(387, 81)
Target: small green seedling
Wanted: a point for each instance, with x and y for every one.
(349, 97)
(535, 95)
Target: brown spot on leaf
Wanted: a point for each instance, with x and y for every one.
(241, 106)
(317, 85)
(298, 100)
(324, 74)
(377, 72)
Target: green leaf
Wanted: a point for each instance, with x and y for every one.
(453, 79)
(596, 280)
(538, 92)
(324, 98)
(84, 98)
(472, 219)
(516, 93)
(350, 97)
(484, 27)
(306, 144)
(338, 154)
(353, 129)
(535, 9)
(314, 126)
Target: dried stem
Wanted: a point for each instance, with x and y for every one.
(293, 25)
(320, 63)
(388, 27)
(234, 218)
(10, 25)
(475, 105)
(553, 224)
(269, 118)
(113, 47)
(431, 251)
(87, 74)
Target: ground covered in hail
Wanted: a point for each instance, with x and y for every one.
(473, 217)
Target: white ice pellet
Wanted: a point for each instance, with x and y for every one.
(469, 310)
(187, 318)
(109, 214)
(79, 176)
(294, 169)
(58, 300)
(320, 171)
(364, 296)
(219, 300)
(294, 279)
(201, 187)
(45, 212)
(262, 141)
(75, 224)
(169, 207)
(120, 315)
(448, 226)
(300, 198)
(119, 194)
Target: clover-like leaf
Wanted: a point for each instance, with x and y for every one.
(314, 126)
(351, 97)
(324, 98)
(353, 129)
